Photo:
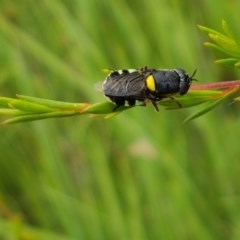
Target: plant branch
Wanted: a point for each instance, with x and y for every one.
(217, 85)
(26, 108)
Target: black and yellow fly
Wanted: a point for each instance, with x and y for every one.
(145, 85)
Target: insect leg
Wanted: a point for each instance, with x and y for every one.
(119, 101)
(131, 101)
(178, 103)
(155, 105)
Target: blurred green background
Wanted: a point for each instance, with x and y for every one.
(141, 175)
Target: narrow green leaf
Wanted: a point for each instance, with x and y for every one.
(33, 117)
(29, 107)
(208, 30)
(227, 61)
(229, 32)
(104, 108)
(52, 103)
(213, 46)
(237, 64)
(192, 98)
(8, 112)
(203, 110)
(4, 102)
(212, 105)
(226, 44)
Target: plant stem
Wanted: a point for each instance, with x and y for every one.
(217, 85)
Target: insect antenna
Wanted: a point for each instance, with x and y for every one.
(193, 79)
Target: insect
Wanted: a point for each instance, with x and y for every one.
(145, 84)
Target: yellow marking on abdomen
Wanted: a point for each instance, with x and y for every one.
(150, 83)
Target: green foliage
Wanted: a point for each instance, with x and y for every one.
(228, 43)
(30, 108)
(140, 175)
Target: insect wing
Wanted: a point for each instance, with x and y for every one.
(131, 85)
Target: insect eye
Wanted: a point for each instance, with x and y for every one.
(150, 83)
